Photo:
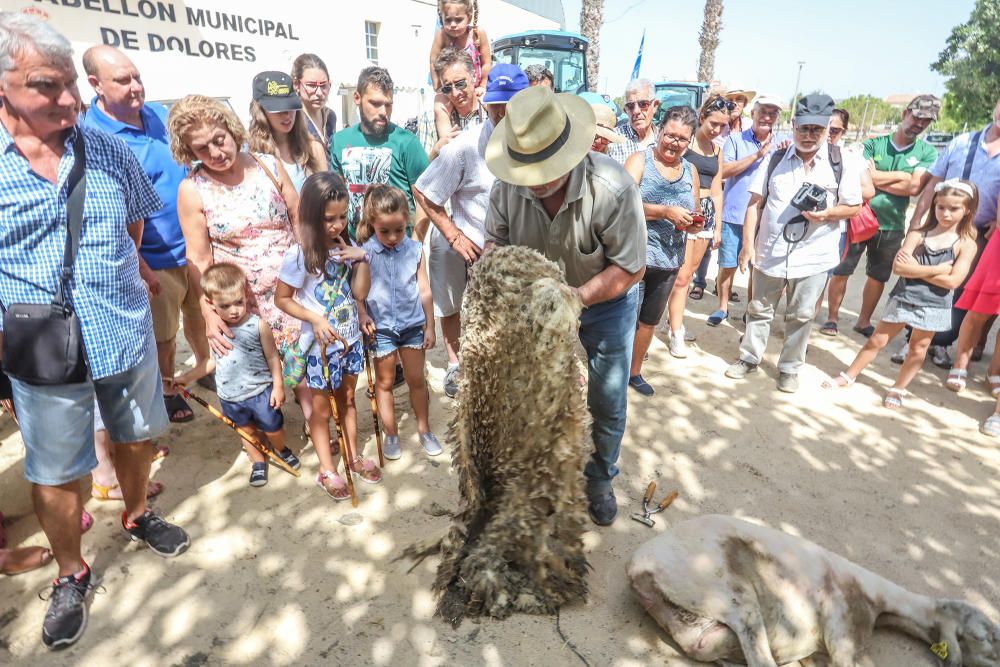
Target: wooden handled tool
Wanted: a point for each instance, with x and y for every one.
(244, 433)
(371, 395)
(341, 438)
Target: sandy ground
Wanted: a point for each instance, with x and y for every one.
(283, 576)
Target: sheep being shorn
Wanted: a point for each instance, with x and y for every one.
(729, 591)
(519, 439)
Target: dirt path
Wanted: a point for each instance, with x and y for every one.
(283, 576)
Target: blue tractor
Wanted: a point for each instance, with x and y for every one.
(562, 53)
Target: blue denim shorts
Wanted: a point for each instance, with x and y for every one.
(255, 410)
(388, 341)
(350, 364)
(731, 242)
(57, 421)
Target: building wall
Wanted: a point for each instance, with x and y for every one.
(178, 51)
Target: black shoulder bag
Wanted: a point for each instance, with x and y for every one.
(42, 344)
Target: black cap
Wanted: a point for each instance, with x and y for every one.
(273, 90)
(814, 109)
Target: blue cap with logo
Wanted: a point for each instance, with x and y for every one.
(503, 83)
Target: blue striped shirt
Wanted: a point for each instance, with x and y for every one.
(106, 292)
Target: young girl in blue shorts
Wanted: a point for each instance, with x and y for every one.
(399, 311)
(323, 282)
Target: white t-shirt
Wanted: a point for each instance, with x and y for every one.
(323, 295)
(819, 250)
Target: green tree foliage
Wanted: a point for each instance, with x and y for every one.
(879, 112)
(971, 60)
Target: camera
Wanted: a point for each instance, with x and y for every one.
(810, 198)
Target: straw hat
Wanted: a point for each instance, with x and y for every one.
(737, 92)
(543, 136)
(606, 122)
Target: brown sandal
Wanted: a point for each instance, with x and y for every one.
(98, 492)
(23, 559)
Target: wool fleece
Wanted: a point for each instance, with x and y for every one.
(520, 438)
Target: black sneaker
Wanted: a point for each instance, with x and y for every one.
(165, 539)
(67, 615)
(288, 457)
(258, 474)
(602, 507)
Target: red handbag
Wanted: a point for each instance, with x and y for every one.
(863, 226)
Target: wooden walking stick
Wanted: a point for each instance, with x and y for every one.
(244, 433)
(374, 400)
(341, 438)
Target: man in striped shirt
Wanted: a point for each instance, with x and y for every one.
(460, 175)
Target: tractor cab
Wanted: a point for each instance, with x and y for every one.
(562, 53)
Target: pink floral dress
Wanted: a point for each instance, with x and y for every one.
(248, 226)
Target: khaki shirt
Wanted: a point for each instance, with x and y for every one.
(600, 223)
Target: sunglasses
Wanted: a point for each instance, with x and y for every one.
(836, 131)
(720, 103)
(642, 104)
(461, 84)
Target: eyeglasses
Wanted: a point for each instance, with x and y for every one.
(811, 130)
(642, 104)
(836, 131)
(720, 103)
(461, 84)
(674, 139)
(313, 86)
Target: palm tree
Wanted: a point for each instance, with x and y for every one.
(711, 27)
(591, 18)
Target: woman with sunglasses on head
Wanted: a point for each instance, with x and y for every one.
(669, 186)
(736, 101)
(706, 156)
(311, 81)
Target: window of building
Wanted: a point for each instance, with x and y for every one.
(371, 41)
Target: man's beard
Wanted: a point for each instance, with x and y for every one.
(368, 128)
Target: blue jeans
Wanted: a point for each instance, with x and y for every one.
(607, 331)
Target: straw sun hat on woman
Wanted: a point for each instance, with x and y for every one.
(543, 136)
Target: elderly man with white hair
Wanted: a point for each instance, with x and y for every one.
(65, 188)
(743, 153)
(637, 129)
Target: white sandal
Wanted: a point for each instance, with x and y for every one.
(893, 398)
(834, 383)
(991, 426)
(956, 379)
(994, 382)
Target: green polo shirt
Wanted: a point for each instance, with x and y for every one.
(890, 210)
